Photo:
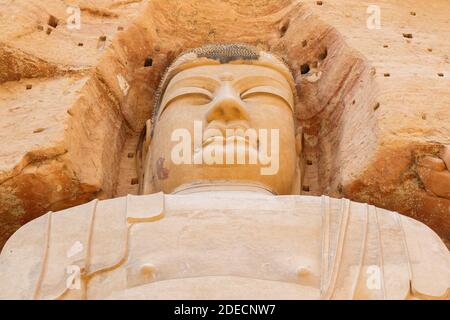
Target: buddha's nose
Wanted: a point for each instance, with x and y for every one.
(227, 106)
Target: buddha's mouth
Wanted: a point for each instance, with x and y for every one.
(238, 134)
(234, 149)
(231, 140)
(226, 144)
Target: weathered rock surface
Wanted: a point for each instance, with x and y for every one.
(373, 103)
(57, 116)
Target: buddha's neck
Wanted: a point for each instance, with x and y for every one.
(226, 187)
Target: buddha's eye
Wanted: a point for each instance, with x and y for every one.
(260, 90)
(194, 95)
(189, 96)
(198, 99)
(257, 93)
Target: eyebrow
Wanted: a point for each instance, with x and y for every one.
(206, 79)
(236, 83)
(265, 78)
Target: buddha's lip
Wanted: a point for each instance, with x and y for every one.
(233, 125)
(226, 140)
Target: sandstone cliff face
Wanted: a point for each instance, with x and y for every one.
(57, 116)
(374, 103)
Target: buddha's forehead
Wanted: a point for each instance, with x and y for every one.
(230, 72)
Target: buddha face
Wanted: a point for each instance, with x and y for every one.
(227, 123)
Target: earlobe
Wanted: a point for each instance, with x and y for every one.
(299, 142)
(143, 158)
(147, 185)
(298, 182)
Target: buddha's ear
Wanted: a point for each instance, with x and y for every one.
(297, 184)
(299, 142)
(148, 136)
(298, 181)
(142, 154)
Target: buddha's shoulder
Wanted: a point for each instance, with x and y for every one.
(47, 239)
(19, 259)
(411, 255)
(76, 223)
(92, 236)
(429, 260)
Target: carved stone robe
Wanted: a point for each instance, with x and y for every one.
(224, 245)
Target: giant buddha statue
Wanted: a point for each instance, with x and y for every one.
(220, 213)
